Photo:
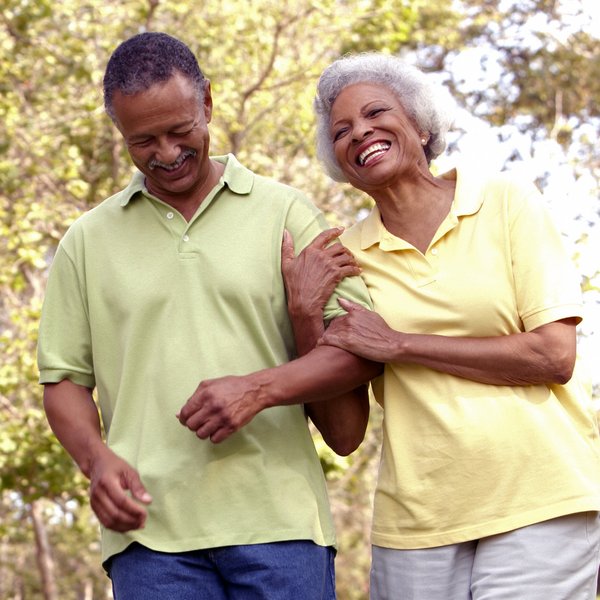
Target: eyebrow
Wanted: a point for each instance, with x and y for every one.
(142, 136)
(362, 109)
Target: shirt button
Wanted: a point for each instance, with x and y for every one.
(170, 215)
(434, 251)
(186, 238)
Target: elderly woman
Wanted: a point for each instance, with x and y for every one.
(489, 478)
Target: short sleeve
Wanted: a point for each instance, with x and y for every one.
(305, 221)
(64, 342)
(547, 286)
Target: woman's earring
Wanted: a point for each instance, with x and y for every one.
(423, 141)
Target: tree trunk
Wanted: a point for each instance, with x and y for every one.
(43, 552)
(88, 590)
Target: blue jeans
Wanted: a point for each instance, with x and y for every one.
(296, 570)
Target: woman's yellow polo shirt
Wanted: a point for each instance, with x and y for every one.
(463, 460)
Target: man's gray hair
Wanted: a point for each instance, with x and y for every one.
(145, 60)
(429, 105)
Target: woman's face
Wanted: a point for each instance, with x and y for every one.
(374, 140)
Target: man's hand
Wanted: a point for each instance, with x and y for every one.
(219, 407)
(311, 277)
(117, 494)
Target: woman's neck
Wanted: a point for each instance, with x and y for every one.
(414, 209)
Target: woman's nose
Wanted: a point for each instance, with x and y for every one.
(361, 130)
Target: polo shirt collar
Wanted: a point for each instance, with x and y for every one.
(135, 185)
(238, 179)
(467, 201)
(468, 196)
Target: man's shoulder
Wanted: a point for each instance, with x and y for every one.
(100, 212)
(277, 197)
(101, 215)
(238, 174)
(278, 188)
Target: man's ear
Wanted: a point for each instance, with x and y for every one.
(208, 104)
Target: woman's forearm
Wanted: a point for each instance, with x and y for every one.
(544, 355)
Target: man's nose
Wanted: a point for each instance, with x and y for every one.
(167, 150)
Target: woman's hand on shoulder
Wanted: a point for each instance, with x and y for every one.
(311, 276)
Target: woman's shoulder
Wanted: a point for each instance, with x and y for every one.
(509, 191)
(503, 183)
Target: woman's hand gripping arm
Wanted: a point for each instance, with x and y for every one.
(310, 279)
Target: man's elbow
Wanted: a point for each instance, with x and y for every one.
(348, 434)
(344, 444)
(561, 364)
(556, 351)
(563, 371)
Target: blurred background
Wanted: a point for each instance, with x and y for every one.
(526, 74)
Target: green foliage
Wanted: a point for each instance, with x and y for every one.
(550, 68)
(394, 26)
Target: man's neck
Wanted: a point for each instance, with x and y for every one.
(188, 204)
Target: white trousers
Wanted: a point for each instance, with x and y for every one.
(552, 560)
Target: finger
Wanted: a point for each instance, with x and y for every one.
(350, 271)
(336, 250)
(329, 339)
(118, 520)
(122, 501)
(199, 421)
(133, 483)
(188, 409)
(221, 435)
(287, 247)
(350, 306)
(204, 431)
(216, 432)
(326, 237)
(342, 259)
(336, 273)
(117, 510)
(339, 252)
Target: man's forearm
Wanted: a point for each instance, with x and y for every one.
(220, 407)
(74, 420)
(343, 419)
(321, 374)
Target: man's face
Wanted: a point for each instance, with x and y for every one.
(166, 132)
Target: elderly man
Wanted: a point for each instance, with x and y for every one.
(168, 299)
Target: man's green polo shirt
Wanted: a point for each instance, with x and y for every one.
(144, 305)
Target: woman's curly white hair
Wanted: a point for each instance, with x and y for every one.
(430, 106)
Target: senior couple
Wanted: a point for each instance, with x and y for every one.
(214, 312)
